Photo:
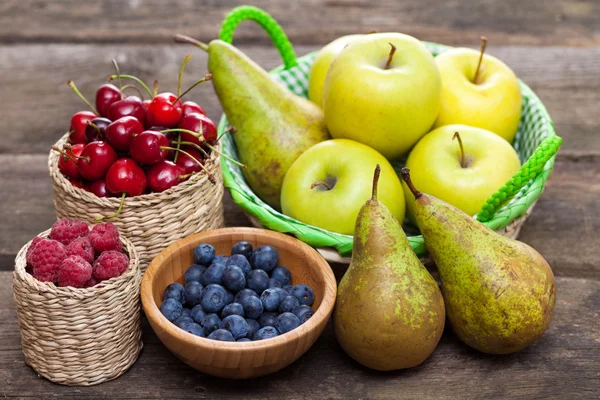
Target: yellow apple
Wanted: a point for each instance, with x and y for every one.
(492, 103)
(387, 100)
(328, 184)
(435, 166)
(318, 71)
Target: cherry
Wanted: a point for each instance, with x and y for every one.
(149, 147)
(95, 159)
(131, 105)
(189, 107)
(106, 95)
(164, 175)
(78, 183)
(79, 122)
(120, 132)
(125, 176)
(188, 164)
(99, 188)
(165, 109)
(96, 128)
(67, 162)
(146, 103)
(200, 123)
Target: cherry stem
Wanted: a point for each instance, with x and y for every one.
(178, 147)
(116, 214)
(405, 173)
(211, 178)
(155, 87)
(389, 60)
(195, 134)
(321, 183)
(118, 76)
(228, 130)
(481, 51)
(78, 93)
(133, 78)
(189, 40)
(207, 77)
(375, 182)
(463, 161)
(184, 177)
(132, 86)
(183, 64)
(195, 145)
(93, 125)
(239, 164)
(67, 147)
(64, 154)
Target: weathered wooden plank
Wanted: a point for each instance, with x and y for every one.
(545, 22)
(565, 363)
(563, 227)
(38, 104)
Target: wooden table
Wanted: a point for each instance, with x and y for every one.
(553, 45)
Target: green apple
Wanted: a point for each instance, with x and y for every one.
(493, 102)
(382, 90)
(328, 184)
(318, 71)
(437, 166)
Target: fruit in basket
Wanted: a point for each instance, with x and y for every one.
(96, 129)
(79, 122)
(129, 106)
(189, 107)
(499, 292)
(99, 188)
(65, 230)
(82, 247)
(480, 91)
(165, 109)
(120, 132)
(95, 160)
(389, 313)
(327, 185)
(74, 271)
(323, 60)
(105, 237)
(125, 176)
(164, 175)
(110, 264)
(463, 169)
(383, 90)
(67, 162)
(46, 259)
(106, 95)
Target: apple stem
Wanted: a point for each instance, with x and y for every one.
(482, 50)
(183, 64)
(189, 40)
(375, 182)
(405, 173)
(155, 87)
(116, 214)
(133, 78)
(207, 77)
(389, 60)
(114, 62)
(211, 178)
(78, 93)
(132, 86)
(463, 161)
(321, 183)
(64, 154)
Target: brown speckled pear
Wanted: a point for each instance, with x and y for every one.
(499, 292)
(389, 312)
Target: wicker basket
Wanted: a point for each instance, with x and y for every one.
(151, 221)
(79, 337)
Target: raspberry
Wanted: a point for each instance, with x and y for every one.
(34, 242)
(81, 247)
(91, 282)
(65, 231)
(105, 237)
(74, 271)
(110, 264)
(46, 258)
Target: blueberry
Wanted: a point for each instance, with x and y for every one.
(268, 319)
(242, 294)
(283, 275)
(214, 298)
(243, 248)
(240, 261)
(304, 293)
(194, 273)
(266, 332)
(234, 278)
(286, 322)
(232, 309)
(244, 339)
(258, 280)
(193, 328)
(222, 334)
(303, 313)
(265, 258)
(192, 293)
(282, 293)
(197, 314)
(270, 299)
(229, 297)
(220, 260)
(253, 307)
(213, 274)
(210, 323)
(182, 321)
(288, 304)
(204, 254)
(171, 309)
(236, 325)
(174, 291)
(187, 312)
(253, 327)
(274, 283)
(287, 288)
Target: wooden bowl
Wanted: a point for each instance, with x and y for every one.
(246, 359)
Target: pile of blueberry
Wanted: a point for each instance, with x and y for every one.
(246, 296)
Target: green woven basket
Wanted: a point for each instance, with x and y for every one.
(536, 144)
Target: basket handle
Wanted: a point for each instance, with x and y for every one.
(278, 36)
(532, 167)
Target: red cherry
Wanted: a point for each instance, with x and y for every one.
(131, 105)
(120, 132)
(106, 95)
(190, 107)
(163, 175)
(186, 163)
(95, 159)
(146, 103)
(148, 147)
(197, 122)
(78, 183)
(67, 164)
(95, 132)
(165, 110)
(79, 122)
(126, 176)
(99, 188)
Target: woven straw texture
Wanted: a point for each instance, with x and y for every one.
(151, 221)
(79, 337)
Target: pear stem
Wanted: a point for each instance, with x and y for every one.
(133, 78)
(481, 51)
(207, 77)
(405, 173)
(118, 209)
(389, 60)
(320, 183)
(183, 64)
(375, 182)
(78, 93)
(186, 39)
(463, 161)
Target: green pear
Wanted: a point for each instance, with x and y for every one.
(499, 292)
(389, 313)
